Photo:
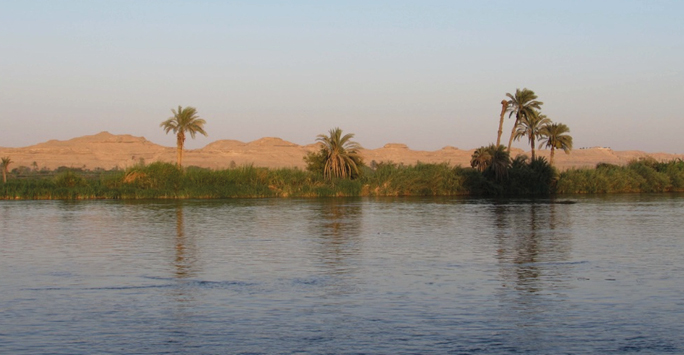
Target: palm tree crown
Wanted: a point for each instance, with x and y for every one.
(183, 120)
(530, 126)
(480, 159)
(523, 103)
(492, 158)
(341, 154)
(554, 136)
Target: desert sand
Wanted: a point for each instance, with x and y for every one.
(108, 151)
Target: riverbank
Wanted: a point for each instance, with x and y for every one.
(166, 181)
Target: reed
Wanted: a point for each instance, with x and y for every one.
(643, 175)
(167, 181)
(389, 179)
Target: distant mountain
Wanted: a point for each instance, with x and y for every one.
(105, 150)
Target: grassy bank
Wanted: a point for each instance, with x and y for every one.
(166, 181)
(645, 175)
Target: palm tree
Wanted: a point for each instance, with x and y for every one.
(523, 103)
(183, 120)
(340, 155)
(530, 125)
(6, 161)
(504, 108)
(553, 135)
(480, 159)
(491, 158)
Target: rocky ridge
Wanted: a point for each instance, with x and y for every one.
(107, 151)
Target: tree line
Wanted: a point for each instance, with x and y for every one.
(337, 169)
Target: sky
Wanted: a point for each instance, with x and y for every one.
(425, 73)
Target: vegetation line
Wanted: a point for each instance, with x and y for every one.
(168, 181)
(337, 169)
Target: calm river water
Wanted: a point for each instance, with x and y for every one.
(604, 275)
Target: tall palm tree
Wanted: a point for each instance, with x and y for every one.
(530, 126)
(554, 136)
(340, 154)
(183, 120)
(504, 108)
(6, 161)
(523, 103)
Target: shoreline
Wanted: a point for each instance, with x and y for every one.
(167, 181)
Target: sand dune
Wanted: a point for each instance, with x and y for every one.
(107, 151)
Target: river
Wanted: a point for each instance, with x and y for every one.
(578, 275)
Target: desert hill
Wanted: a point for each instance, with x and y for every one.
(107, 151)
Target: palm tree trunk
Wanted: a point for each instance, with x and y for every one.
(504, 107)
(532, 145)
(510, 140)
(4, 175)
(179, 153)
(551, 158)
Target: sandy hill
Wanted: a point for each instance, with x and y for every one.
(102, 150)
(105, 150)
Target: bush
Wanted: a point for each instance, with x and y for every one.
(68, 178)
(643, 175)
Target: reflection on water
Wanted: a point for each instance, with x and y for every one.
(528, 237)
(533, 256)
(186, 249)
(337, 226)
(374, 276)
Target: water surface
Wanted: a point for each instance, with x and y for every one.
(343, 276)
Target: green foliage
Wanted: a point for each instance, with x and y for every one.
(164, 180)
(555, 136)
(517, 178)
(390, 179)
(522, 104)
(480, 159)
(69, 179)
(315, 161)
(644, 175)
(184, 120)
(498, 164)
(157, 180)
(338, 157)
(535, 178)
(530, 126)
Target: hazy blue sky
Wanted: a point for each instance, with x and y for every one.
(425, 73)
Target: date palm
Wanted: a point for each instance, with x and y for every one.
(480, 159)
(554, 136)
(340, 154)
(524, 103)
(530, 126)
(492, 158)
(6, 161)
(184, 120)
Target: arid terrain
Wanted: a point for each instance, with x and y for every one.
(107, 151)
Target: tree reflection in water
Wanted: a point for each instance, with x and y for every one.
(184, 262)
(337, 228)
(184, 258)
(533, 248)
(529, 237)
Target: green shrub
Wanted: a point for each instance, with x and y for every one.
(68, 178)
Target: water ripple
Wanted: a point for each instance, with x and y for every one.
(343, 276)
